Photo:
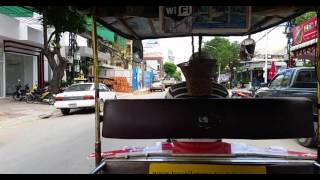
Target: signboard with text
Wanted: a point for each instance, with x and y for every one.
(204, 19)
(305, 31)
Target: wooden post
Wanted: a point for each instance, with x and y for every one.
(96, 85)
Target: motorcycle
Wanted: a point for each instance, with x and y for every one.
(243, 93)
(20, 94)
(40, 95)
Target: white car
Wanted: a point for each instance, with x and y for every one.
(157, 85)
(82, 95)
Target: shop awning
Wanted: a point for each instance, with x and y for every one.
(15, 11)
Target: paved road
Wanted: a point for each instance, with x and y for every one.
(61, 144)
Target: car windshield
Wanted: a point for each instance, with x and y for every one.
(79, 87)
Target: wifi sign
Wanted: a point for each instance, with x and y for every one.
(177, 12)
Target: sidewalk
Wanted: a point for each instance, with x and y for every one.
(142, 91)
(13, 112)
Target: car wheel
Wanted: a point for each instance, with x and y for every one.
(51, 100)
(310, 142)
(65, 111)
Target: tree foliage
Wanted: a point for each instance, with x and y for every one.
(169, 68)
(177, 76)
(225, 52)
(303, 18)
(61, 19)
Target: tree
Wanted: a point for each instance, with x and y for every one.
(303, 18)
(225, 52)
(169, 68)
(177, 76)
(119, 53)
(62, 19)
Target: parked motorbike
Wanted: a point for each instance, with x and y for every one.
(244, 93)
(40, 95)
(20, 94)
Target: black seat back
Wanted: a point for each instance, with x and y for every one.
(267, 118)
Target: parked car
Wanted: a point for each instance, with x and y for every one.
(294, 82)
(157, 85)
(169, 82)
(82, 95)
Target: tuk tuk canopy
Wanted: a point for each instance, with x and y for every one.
(139, 22)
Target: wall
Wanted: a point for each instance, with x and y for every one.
(9, 27)
(35, 35)
(14, 29)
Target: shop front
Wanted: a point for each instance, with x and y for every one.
(20, 62)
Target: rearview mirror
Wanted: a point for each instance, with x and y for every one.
(247, 48)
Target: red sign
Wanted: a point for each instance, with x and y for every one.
(305, 31)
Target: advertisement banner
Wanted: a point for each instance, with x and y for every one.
(305, 31)
(204, 19)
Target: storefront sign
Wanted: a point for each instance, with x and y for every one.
(305, 32)
(204, 19)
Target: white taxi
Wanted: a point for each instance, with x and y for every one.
(81, 95)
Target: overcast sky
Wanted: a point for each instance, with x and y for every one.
(181, 47)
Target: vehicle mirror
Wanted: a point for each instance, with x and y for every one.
(247, 48)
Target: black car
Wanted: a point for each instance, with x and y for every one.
(294, 82)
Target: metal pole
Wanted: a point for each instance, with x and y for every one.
(318, 84)
(96, 85)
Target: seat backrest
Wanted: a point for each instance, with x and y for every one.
(265, 118)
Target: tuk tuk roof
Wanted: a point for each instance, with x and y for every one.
(139, 22)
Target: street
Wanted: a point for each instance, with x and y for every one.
(61, 144)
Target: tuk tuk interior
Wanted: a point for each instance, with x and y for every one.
(192, 118)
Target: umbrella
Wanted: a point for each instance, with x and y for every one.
(272, 71)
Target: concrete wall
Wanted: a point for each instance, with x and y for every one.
(35, 35)
(11, 28)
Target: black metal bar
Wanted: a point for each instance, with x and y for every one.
(17, 52)
(10, 41)
(10, 46)
(98, 168)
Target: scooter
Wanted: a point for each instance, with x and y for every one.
(20, 94)
(41, 95)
